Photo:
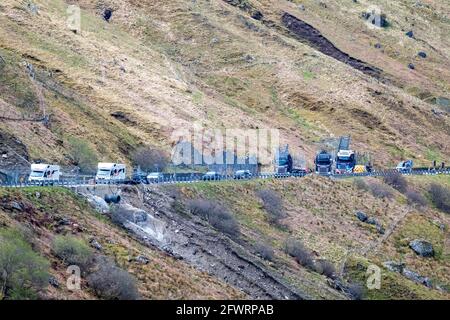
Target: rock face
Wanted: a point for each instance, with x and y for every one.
(95, 244)
(369, 220)
(414, 276)
(142, 259)
(361, 216)
(422, 54)
(422, 248)
(133, 214)
(98, 203)
(411, 275)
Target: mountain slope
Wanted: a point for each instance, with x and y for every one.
(158, 66)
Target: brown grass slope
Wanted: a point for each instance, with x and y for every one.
(162, 278)
(164, 65)
(322, 214)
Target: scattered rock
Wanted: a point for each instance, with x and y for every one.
(32, 7)
(37, 195)
(133, 214)
(301, 7)
(142, 259)
(122, 117)
(372, 221)
(411, 275)
(376, 19)
(438, 112)
(411, 66)
(95, 244)
(361, 216)
(15, 205)
(422, 248)
(257, 15)
(214, 40)
(380, 229)
(62, 221)
(53, 282)
(422, 54)
(410, 34)
(249, 58)
(414, 276)
(107, 14)
(98, 204)
(378, 45)
(394, 266)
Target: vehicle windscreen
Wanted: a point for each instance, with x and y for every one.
(345, 159)
(37, 174)
(103, 172)
(153, 175)
(323, 160)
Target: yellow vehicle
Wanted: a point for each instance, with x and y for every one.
(360, 169)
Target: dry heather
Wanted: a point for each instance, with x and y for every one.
(161, 65)
(321, 213)
(162, 278)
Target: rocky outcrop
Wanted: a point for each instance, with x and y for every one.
(407, 273)
(422, 248)
(98, 203)
(363, 217)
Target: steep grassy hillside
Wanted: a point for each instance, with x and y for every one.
(318, 212)
(42, 214)
(321, 213)
(161, 65)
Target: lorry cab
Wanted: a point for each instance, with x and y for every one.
(405, 166)
(345, 161)
(111, 172)
(44, 173)
(324, 163)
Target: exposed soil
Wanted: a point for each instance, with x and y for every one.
(306, 32)
(191, 239)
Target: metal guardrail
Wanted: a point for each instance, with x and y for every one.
(178, 180)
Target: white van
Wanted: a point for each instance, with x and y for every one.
(111, 172)
(44, 173)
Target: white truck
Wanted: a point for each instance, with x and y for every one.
(111, 172)
(44, 173)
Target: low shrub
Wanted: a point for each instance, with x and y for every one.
(265, 251)
(216, 214)
(360, 184)
(326, 268)
(296, 249)
(379, 190)
(23, 272)
(273, 204)
(414, 198)
(112, 283)
(73, 251)
(440, 196)
(396, 181)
